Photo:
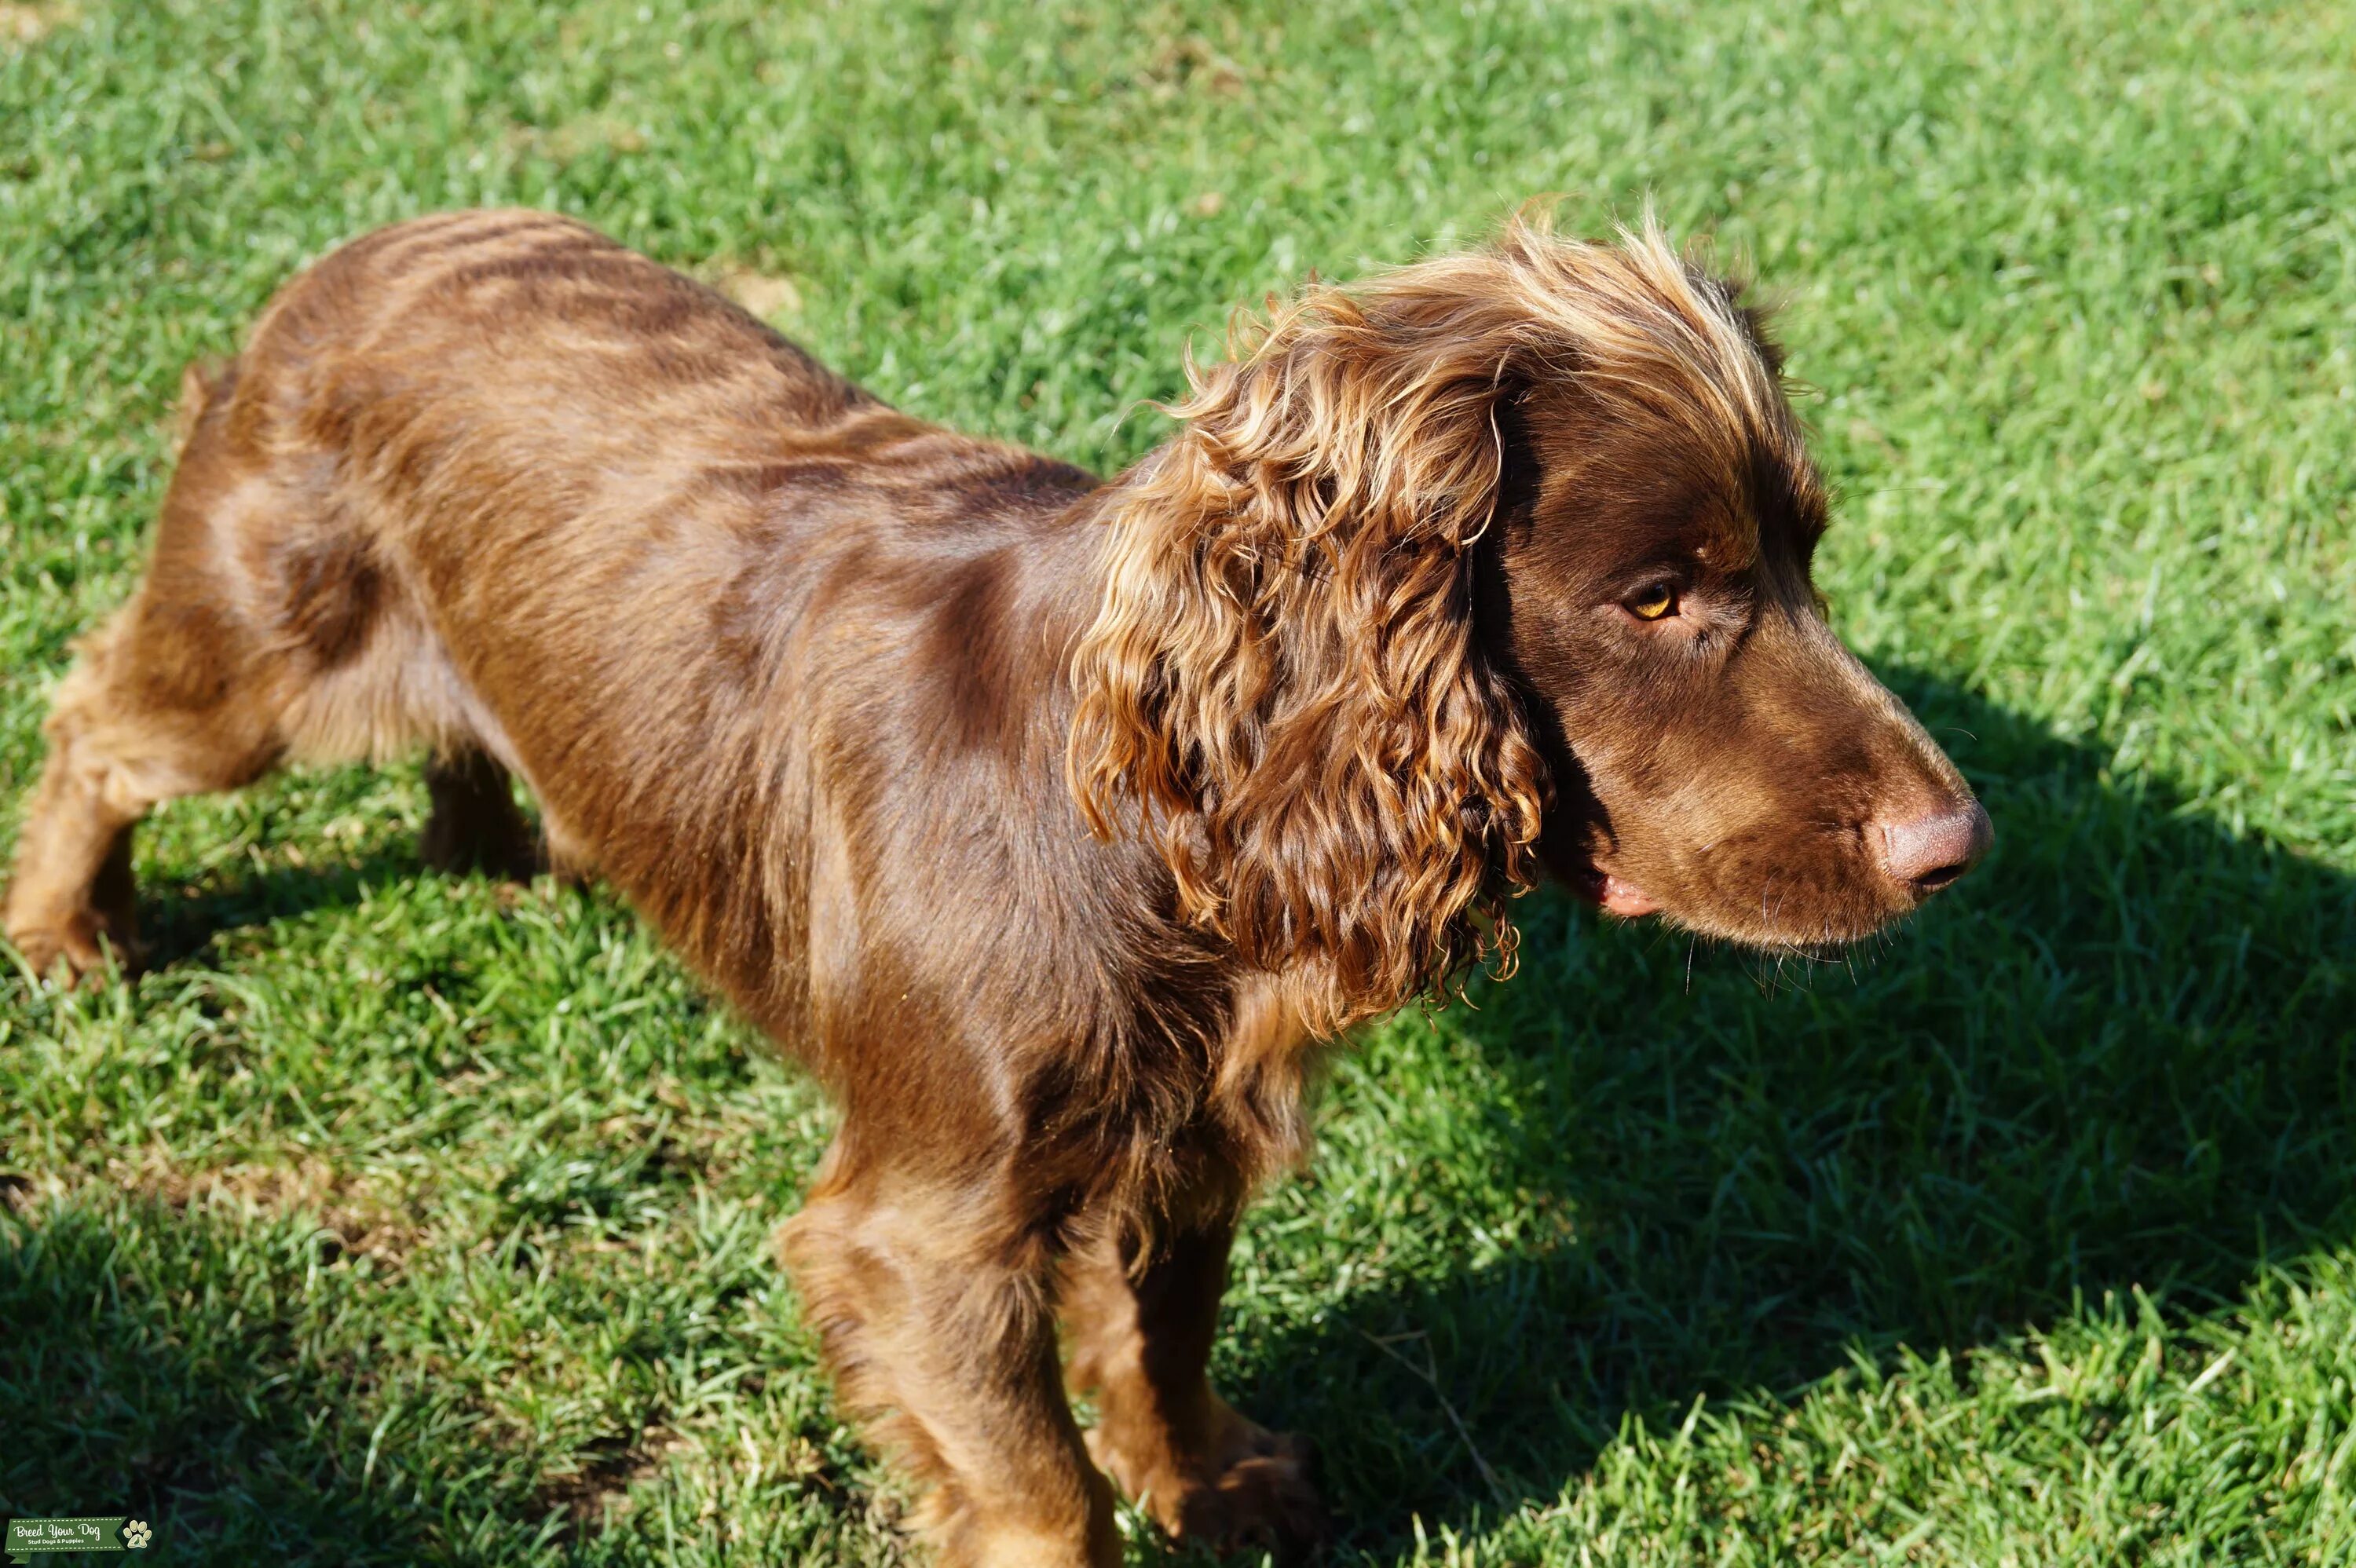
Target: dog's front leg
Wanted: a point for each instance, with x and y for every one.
(938, 1323)
(1143, 1310)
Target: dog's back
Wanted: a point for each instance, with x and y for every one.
(490, 484)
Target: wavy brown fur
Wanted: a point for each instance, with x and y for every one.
(815, 686)
(1284, 674)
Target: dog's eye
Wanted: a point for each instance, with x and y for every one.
(1652, 604)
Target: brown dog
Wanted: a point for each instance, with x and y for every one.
(1054, 822)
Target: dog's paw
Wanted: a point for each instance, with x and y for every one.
(1252, 1490)
(71, 948)
(1265, 1499)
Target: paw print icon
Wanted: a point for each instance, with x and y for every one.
(137, 1535)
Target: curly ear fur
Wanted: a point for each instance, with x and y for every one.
(1283, 675)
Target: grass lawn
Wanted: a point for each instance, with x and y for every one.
(395, 1219)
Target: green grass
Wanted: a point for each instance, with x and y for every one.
(396, 1219)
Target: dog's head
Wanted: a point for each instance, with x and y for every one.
(1497, 562)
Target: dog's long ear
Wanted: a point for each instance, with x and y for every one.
(1283, 686)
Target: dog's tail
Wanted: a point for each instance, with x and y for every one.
(200, 383)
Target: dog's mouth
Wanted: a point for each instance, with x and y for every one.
(1611, 892)
(1821, 924)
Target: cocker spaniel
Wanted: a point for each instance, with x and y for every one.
(1057, 823)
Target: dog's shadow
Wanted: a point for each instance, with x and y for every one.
(176, 926)
(2114, 1057)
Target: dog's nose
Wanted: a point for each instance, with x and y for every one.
(1927, 852)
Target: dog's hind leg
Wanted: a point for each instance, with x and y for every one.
(181, 693)
(476, 825)
(160, 704)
